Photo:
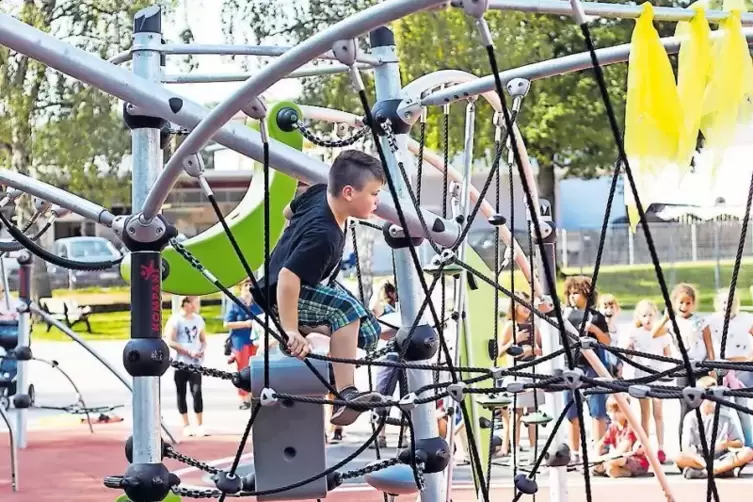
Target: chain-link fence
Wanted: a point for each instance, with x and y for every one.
(675, 243)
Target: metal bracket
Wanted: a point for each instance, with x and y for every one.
(475, 8)
(256, 108)
(410, 111)
(142, 231)
(346, 51)
(59, 211)
(41, 205)
(193, 165)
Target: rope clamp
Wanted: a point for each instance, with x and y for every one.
(639, 391)
(693, 396)
(515, 387)
(718, 390)
(408, 402)
(268, 397)
(457, 391)
(573, 378)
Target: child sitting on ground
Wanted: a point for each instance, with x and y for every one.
(621, 442)
(729, 453)
(305, 262)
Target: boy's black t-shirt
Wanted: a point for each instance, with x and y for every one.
(575, 316)
(312, 244)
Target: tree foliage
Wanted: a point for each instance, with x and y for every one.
(56, 128)
(563, 119)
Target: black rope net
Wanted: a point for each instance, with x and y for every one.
(457, 384)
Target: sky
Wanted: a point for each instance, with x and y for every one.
(206, 25)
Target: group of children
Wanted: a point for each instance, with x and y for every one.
(308, 301)
(647, 339)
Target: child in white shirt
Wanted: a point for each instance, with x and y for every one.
(649, 336)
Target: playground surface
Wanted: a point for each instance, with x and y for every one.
(63, 461)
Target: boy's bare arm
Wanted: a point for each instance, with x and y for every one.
(288, 293)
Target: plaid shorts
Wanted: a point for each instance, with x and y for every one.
(335, 306)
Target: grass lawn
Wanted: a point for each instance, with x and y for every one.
(629, 283)
(117, 326)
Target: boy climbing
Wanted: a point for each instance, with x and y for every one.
(305, 261)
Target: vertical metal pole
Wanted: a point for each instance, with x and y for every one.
(24, 339)
(550, 341)
(5, 282)
(147, 164)
(463, 335)
(717, 265)
(13, 451)
(388, 86)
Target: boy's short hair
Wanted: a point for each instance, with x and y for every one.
(706, 382)
(353, 168)
(612, 403)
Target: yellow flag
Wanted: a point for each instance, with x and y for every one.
(727, 100)
(693, 69)
(653, 113)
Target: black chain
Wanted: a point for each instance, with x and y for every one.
(330, 143)
(201, 370)
(185, 459)
(377, 466)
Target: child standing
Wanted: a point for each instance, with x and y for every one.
(650, 336)
(610, 309)
(242, 335)
(188, 338)
(527, 337)
(739, 348)
(307, 255)
(694, 333)
(576, 292)
(620, 440)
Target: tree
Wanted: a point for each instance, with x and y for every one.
(562, 120)
(56, 128)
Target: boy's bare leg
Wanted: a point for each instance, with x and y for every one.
(738, 459)
(689, 459)
(344, 344)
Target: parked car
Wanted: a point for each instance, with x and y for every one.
(85, 249)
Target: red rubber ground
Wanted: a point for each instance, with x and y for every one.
(69, 465)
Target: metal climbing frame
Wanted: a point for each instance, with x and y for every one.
(145, 232)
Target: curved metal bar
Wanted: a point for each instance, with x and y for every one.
(597, 9)
(70, 201)
(203, 78)
(415, 90)
(34, 309)
(112, 79)
(549, 68)
(351, 27)
(56, 365)
(234, 50)
(13, 451)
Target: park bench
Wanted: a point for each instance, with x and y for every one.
(66, 311)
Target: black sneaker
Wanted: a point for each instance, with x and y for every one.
(346, 415)
(245, 405)
(337, 436)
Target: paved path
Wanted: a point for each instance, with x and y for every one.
(222, 417)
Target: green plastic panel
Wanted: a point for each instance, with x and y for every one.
(212, 247)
